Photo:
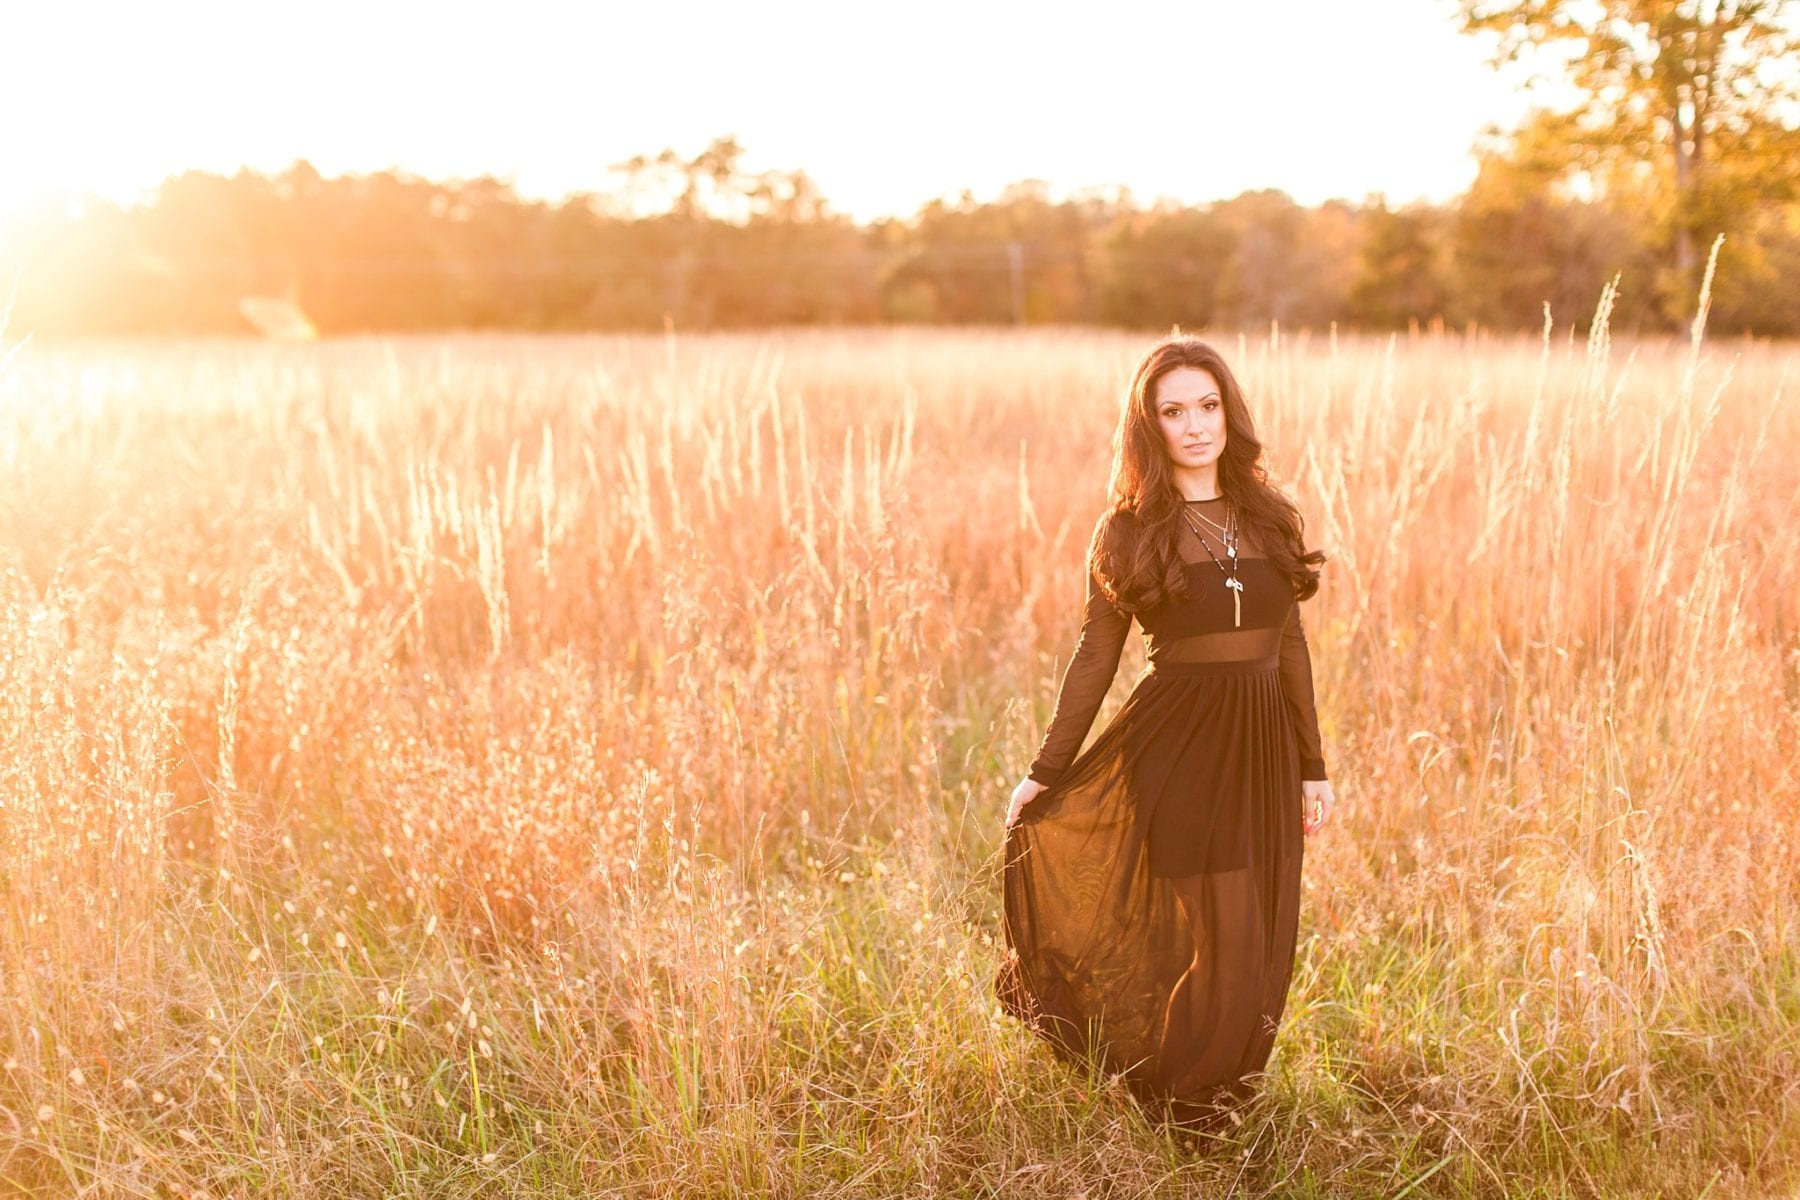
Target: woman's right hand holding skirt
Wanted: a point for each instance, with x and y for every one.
(1027, 791)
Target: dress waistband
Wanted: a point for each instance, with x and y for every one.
(1238, 666)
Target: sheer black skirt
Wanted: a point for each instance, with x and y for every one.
(1151, 895)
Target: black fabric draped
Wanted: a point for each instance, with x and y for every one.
(1151, 893)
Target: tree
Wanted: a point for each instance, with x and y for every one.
(1400, 278)
(1706, 86)
(1523, 236)
(1262, 280)
(1162, 267)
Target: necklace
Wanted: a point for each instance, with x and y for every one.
(1223, 532)
(1231, 549)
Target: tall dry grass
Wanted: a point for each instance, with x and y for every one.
(536, 766)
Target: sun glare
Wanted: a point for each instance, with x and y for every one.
(25, 202)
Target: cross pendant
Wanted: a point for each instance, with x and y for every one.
(1237, 601)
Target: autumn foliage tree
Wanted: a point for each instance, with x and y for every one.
(1688, 105)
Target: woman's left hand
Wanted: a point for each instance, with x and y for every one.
(1315, 804)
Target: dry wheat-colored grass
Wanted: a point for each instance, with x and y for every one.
(543, 766)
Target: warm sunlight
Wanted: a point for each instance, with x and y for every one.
(1171, 597)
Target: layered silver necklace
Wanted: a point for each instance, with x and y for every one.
(1228, 537)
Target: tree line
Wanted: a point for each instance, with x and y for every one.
(386, 252)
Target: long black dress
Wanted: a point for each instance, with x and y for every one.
(1151, 894)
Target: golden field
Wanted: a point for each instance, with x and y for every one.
(532, 766)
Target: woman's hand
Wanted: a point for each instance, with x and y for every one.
(1315, 804)
(1024, 794)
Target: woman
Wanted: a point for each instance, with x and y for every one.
(1152, 882)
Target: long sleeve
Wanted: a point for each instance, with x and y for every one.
(1297, 686)
(1085, 683)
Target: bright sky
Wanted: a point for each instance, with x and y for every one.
(885, 106)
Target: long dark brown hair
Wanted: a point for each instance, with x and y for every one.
(1137, 561)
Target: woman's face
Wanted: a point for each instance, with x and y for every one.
(1191, 412)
